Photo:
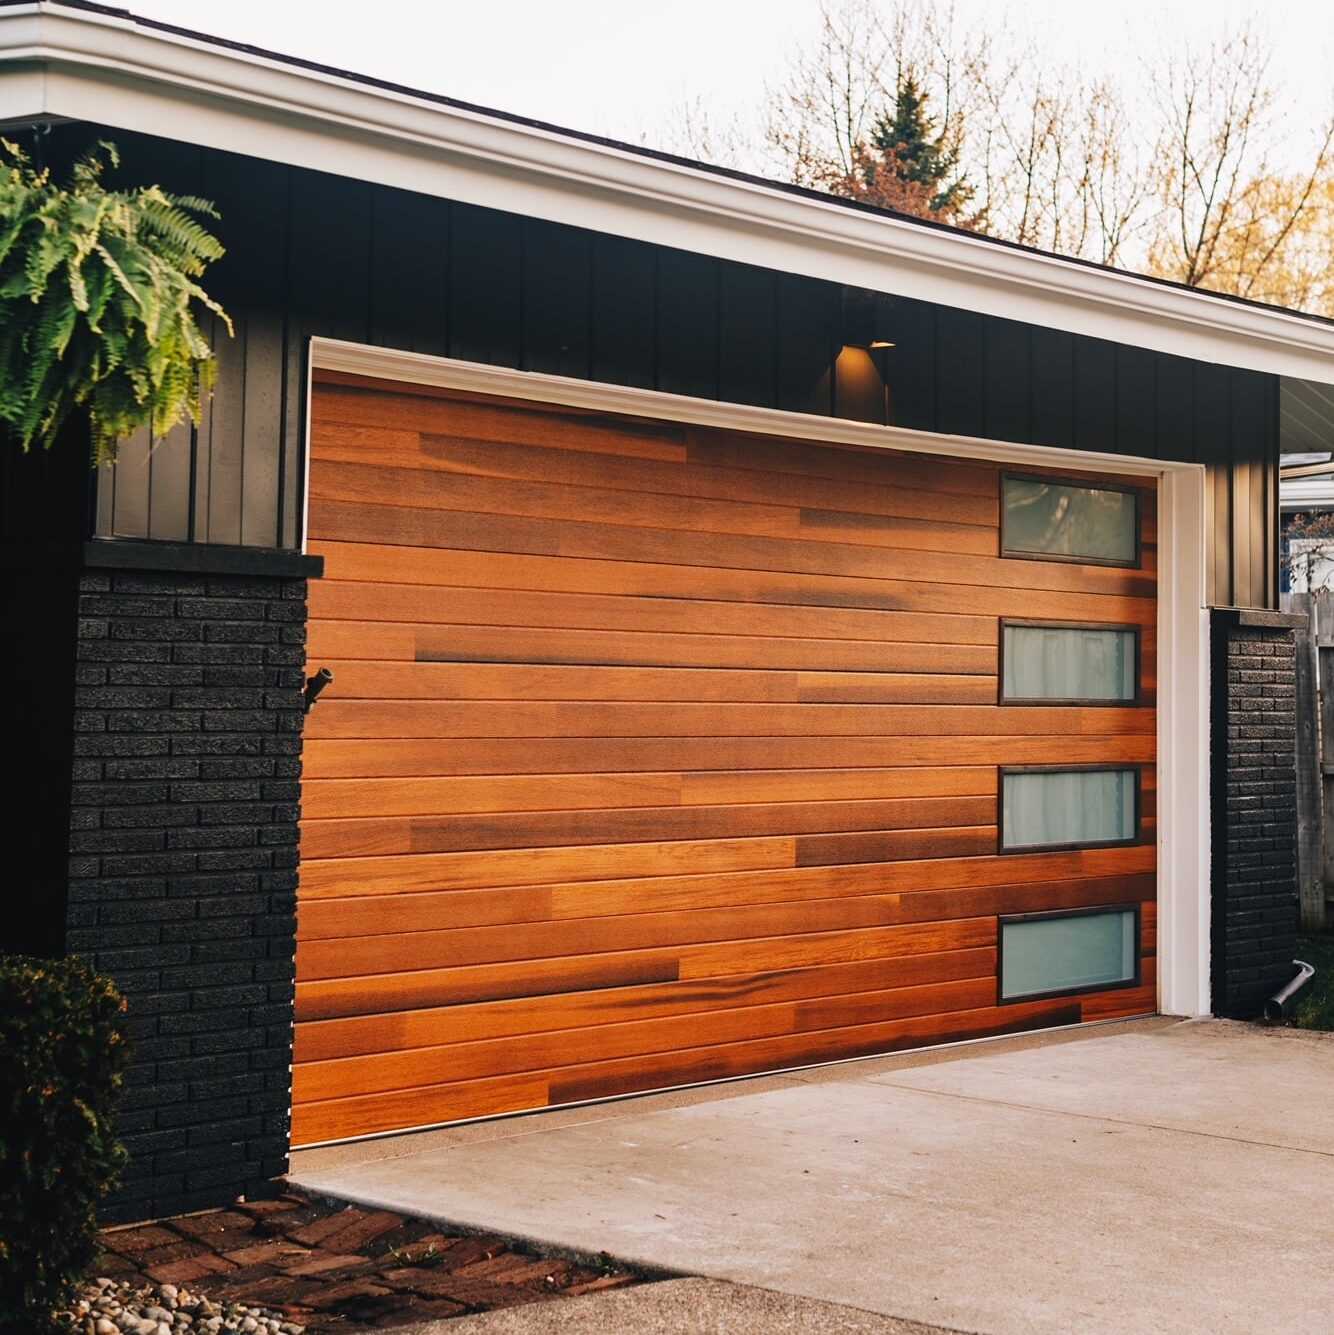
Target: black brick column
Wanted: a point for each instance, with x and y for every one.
(183, 855)
(1254, 781)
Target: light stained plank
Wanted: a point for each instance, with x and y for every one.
(380, 641)
(334, 878)
(406, 757)
(413, 718)
(359, 679)
(322, 798)
(338, 599)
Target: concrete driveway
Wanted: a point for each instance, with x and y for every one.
(1150, 1176)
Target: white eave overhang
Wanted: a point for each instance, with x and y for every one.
(84, 65)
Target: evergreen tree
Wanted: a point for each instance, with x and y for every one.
(910, 149)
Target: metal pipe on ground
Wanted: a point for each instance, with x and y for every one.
(1276, 1008)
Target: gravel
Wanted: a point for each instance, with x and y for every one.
(115, 1307)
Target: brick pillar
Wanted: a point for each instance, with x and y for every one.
(1254, 780)
(183, 853)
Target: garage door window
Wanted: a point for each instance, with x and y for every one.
(1068, 808)
(1045, 662)
(1056, 954)
(1064, 521)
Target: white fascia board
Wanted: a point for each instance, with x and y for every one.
(105, 69)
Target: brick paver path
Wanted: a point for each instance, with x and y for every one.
(341, 1268)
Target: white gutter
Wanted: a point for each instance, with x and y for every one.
(81, 65)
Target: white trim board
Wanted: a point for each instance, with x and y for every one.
(1183, 640)
(79, 65)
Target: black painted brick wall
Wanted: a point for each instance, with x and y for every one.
(1254, 813)
(183, 866)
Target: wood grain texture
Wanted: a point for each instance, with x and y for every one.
(658, 754)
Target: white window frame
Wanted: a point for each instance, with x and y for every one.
(1183, 642)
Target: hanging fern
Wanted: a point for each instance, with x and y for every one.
(96, 289)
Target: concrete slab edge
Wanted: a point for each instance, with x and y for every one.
(647, 1270)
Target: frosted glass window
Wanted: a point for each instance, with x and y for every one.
(1067, 808)
(1070, 952)
(1068, 663)
(1066, 522)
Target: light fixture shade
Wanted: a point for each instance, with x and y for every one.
(866, 319)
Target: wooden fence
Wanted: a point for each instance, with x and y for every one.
(1315, 756)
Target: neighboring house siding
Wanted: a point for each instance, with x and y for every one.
(312, 254)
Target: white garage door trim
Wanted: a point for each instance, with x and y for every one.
(1183, 641)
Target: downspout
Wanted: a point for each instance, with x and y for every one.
(1276, 1008)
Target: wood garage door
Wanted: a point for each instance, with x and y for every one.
(657, 754)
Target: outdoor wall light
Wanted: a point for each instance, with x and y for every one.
(866, 319)
(314, 685)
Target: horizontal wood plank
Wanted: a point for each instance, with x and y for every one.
(359, 679)
(560, 792)
(356, 758)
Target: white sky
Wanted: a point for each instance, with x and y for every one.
(624, 67)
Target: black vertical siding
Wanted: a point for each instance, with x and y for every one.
(687, 323)
(409, 264)
(319, 255)
(485, 265)
(557, 299)
(961, 372)
(1053, 388)
(1007, 385)
(748, 352)
(623, 321)
(912, 365)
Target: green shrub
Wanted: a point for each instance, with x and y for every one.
(62, 1054)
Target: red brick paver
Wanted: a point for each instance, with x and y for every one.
(338, 1268)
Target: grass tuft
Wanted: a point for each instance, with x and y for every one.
(1314, 1008)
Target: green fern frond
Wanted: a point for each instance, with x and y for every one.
(98, 301)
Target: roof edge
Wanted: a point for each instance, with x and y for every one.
(88, 62)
